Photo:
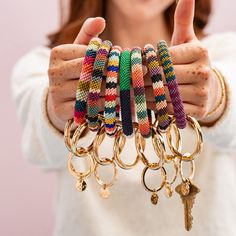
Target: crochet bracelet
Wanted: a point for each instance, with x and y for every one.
(158, 87)
(139, 92)
(172, 84)
(84, 81)
(126, 116)
(95, 84)
(111, 90)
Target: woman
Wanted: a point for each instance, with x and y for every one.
(46, 102)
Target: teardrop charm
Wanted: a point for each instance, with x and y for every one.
(154, 198)
(81, 185)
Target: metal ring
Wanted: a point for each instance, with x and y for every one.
(170, 157)
(119, 144)
(187, 156)
(80, 151)
(176, 169)
(159, 148)
(190, 177)
(96, 143)
(68, 134)
(77, 174)
(98, 179)
(163, 173)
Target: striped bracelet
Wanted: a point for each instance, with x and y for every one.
(125, 103)
(84, 81)
(95, 84)
(111, 90)
(158, 87)
(172, 84)
(139, 92)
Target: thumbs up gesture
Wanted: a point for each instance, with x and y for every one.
(64, 70)
(199, 86)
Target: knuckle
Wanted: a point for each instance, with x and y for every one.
(204, 72)
(202, 112)
(56, 50)
(52, 72)
(203, 51)
(202, 93)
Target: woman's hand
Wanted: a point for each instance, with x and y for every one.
(64, 72)
(199, 86)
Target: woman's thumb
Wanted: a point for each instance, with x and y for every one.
(91, 28)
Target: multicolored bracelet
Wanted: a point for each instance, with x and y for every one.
(172, 84)
(158, 87)
(84, 81)
(111, 90)
(139, 92)
(126, 115)
(95, 84)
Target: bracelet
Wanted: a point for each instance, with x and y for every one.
(95, 84)
(172, 84)
(223, 91)
(84, 81)
(126, 116)
(158, 87)
(139, 92)
(111, 90)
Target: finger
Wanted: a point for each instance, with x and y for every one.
(65, 71)
(187, 53)
(185, 75)
(189, 93)
(190, 109)
(91, 28)
(67, 52)
(183, 22)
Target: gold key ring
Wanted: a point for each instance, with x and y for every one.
(106, 185)
(68, 134)
(154, 197)
(170, 157)
(97, 142)
(119, 144)
(187, 156)
(190, 177)
(80, 151)
(80, 176)
(159, 148)
(163, 173)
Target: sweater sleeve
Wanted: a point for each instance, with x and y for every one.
(222, 51)
(42, 144)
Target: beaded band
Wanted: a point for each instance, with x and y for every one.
(139, 92)
(95, 84)
(172, 84)
(84, 81)
(158, 86)
(125, 102)
(110, 92)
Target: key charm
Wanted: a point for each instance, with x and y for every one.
(187, 191)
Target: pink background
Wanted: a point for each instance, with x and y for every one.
(26, 193)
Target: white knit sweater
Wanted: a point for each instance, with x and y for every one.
(128, 211)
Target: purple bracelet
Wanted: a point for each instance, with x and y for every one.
(172, 84)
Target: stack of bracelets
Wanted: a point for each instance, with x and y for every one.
(123, 68)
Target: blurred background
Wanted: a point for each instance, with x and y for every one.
(26, 193)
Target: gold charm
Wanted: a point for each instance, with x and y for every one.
(104, 192)
(81, 185)
(188, 201)
(154, 198)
